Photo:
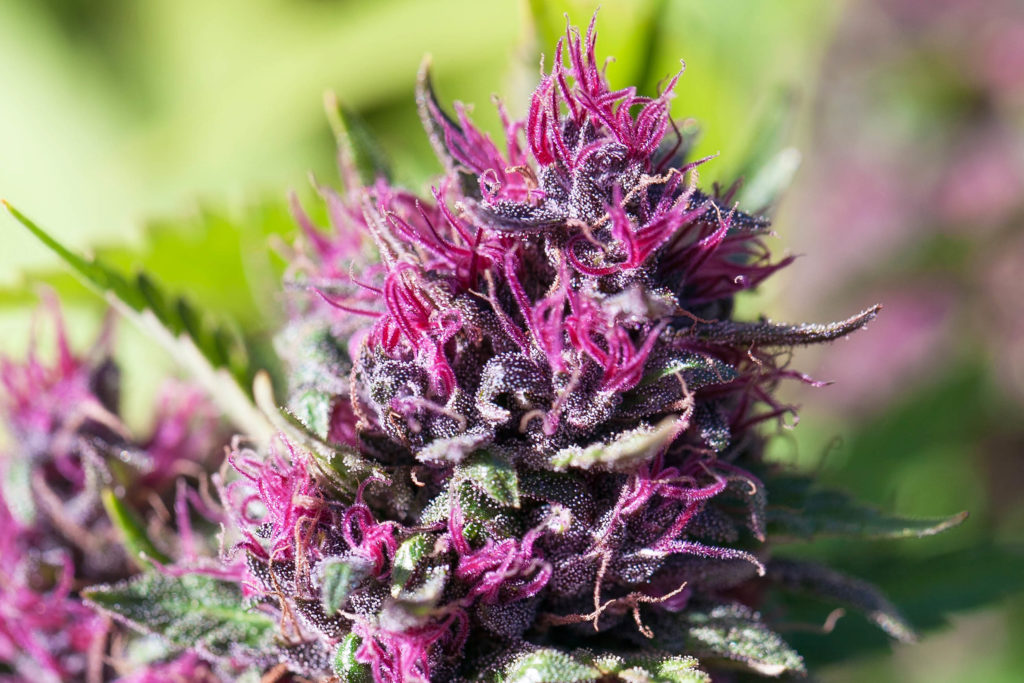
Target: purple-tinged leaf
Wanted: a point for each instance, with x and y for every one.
(770, 334)
(822, 582)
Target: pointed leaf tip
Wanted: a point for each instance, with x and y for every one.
(442, 130)
(361, 153)
(132, 530)
(798, 510)
(770, 334)
(493, 475)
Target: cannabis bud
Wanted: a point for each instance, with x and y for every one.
(522, 439)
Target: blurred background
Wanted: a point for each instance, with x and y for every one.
(165, 134)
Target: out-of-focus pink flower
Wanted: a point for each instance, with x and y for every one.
(904, 345)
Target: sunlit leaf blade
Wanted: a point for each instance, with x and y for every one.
(728, 633)
(493, 475)
(764, 190)
(797, 510)
(624, 452)
(191, 612)
(769, 164)
(346, 667)
(211, 354)
(356, 141)
(543, 665)
(133, 533)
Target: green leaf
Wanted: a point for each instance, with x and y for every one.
(764, 190)
(317, 361)
(414, 552)
(132, 531)
(799, 511)
(928, 589)
(191, 612)
(312, 408)
(624, 452)
(729, 633)
(338, 578)
(356, 141)
(823, 582)
(769, 164)
(544, 666)
(712, 424)
(418, 576)
(646, 668)
(437, 509)
(16, 490)
(484, 518)
(493, 475)
(211, 354)
(679, 670)
(346, 666)
(698, 371)
(342, 468)
(435, 120)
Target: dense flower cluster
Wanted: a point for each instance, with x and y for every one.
(520, 440)
(541, 366)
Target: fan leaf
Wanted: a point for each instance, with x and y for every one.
(212, 354)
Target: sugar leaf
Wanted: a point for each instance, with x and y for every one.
(493, 475)
(625, 451)
(346, 667)
(547, 664)
(338, 578)
(356, 141)
(193, 611)
(732, 633)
